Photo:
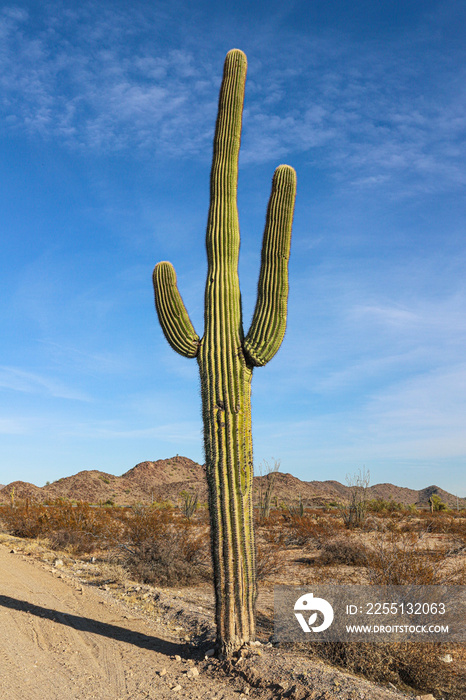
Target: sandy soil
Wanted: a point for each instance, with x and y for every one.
(61, 638)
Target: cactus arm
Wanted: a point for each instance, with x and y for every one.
(269, 320)
(173, 317)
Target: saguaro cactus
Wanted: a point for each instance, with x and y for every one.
(226, 357)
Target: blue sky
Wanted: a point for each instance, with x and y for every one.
(107, 114)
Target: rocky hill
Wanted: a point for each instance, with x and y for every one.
(167, 479)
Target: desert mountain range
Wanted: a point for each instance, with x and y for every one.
(167, 479)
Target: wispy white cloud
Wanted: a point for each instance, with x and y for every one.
(87, 362)
(372, 114)
(419, 419)
(183, 433)
(15, 379)
(76, 80)
(13, 426)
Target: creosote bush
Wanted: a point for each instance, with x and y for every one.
(398, 559)
(155, 545)
(343, 550)
(311, 531)
(165, 551)
(78, 528)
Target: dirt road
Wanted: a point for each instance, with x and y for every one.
(62, 640)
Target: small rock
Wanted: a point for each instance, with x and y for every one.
(93, 560)
(246, 691)
(425, 697)
(192, 673)
(177, 657)
(163, 672)
(176, 688)
(57, 562)
(209, 652)
(447, 658)
(12, 551)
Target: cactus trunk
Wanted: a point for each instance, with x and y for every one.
(226, 358)
(226, 383)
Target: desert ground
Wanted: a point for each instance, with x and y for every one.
(61, 637)
(117, 603)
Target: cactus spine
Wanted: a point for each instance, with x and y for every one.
(226, 358)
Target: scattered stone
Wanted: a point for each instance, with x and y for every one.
(425, 697)
(177, 657)
(176, 688)
(57, 563)
(209, 652)
(163, 672)
(192, 673)
(447, 658)
(246, 690)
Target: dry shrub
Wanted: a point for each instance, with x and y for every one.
(313, 531)
(395, 558)
(405, 664)
(344, 550)
(78, 528)
(403, 558)
(156, 546)
(163, 550)
(22, 521)
(269, 560)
